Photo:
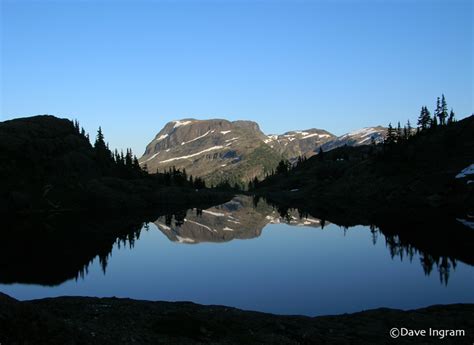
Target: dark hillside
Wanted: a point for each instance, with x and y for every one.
(49, 164)
(418, 172)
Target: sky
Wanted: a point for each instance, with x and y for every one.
(132, 66)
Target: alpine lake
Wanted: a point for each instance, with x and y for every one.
(244, 253)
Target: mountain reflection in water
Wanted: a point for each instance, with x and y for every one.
(240, 218)
(62, 251)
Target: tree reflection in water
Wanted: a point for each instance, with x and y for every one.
(49, 251)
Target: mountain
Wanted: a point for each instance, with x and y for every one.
(428, 169)
(238, 218)
(214, 149)
(238, 151)
(299, 143)
(364, 136)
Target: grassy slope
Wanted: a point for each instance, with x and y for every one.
(256, 164)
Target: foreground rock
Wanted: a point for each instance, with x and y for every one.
(85, 320)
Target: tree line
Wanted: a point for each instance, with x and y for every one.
(394, 135)
(127, 166)
(425, 122)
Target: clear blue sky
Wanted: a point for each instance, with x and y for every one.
(132, 66)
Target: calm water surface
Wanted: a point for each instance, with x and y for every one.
(238, 256)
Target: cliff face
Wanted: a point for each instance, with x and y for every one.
(213, 149)
(238, 151)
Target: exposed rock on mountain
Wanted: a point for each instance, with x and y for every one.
(213, 149)
(237, 219)
(299, 143)
(238, 151)
(364, 136)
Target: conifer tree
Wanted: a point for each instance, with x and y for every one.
(437, 112)
(443, 115)
(399, 132)
(451, 117)
(391, 136)
(116, 157)
(76, 126)
(409, 129)
(424, 119)
(99, 141)
(128, 159)
(136, 164)
(122, 158)
(282, 167)
(103, 154)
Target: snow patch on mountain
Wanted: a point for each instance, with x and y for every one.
(163, 226)
(184, 239)
(270, 138)
(363, 132)
(179, 123)
(232, 139)
(197, 138)
(146, 160)
(192, 155)
(201, 225)
(164, 136)
(217, 214)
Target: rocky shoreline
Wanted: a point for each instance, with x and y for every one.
(89, 320)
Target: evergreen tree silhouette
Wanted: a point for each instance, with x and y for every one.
(437, 113)
(443, 114)
(408, 129)
(399, 132)
(391, 135)
(424, 120)
(451, 117)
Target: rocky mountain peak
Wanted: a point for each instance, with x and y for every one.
(238, 151)
(203, 147)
